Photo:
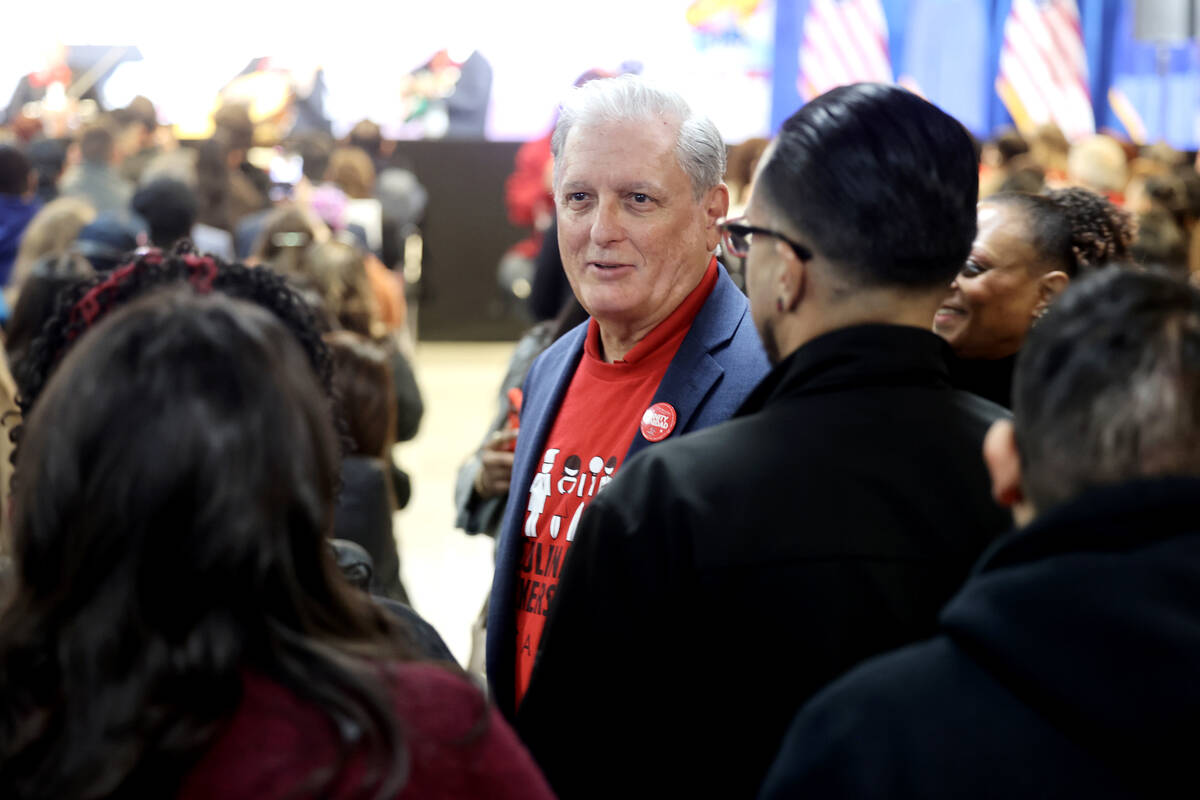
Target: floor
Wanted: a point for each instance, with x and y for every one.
(447, 572)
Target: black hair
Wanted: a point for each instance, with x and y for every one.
(1107, 386)
(51, 275)
(48, 156)
(80, 307)
(1010, 144)
(880, 182)
(14, 170)
(1073, 230)
(169, 208)
(170, 516)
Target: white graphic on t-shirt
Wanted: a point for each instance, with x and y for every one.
(539, 490)
(575, 523)
(594, 467)
(570, 475)
(609, 467)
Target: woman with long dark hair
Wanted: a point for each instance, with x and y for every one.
(176, 625)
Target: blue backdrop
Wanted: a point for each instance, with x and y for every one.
(951, 48)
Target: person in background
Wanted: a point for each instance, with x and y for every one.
(245, 665)
(1028, 248)
(52, 230)
(95, 178)
(105, 242)
(248, 184)
(140, 145)
(1000, 159)
(1066, 665)
(725, 576)
(169, 209)
(51, 275)
(362, 383)
(1049, 151)
(17, 204)
(350, 169)
(337, 272)
(1098, 164)
(48, 158)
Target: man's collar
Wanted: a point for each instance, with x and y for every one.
(859, 355)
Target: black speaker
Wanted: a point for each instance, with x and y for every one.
(1165, 20)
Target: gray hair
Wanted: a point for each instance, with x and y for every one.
(1108, 386)
(699, 147)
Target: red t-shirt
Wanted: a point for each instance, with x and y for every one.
(600, 414)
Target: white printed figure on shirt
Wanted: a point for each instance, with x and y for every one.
(610, 466)
(539, 490)
(594, 467)
(570, 474)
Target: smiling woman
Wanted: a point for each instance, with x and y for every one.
(1027, 250)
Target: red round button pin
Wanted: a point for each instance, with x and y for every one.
(658, 422)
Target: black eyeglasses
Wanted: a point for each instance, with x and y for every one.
(738, 237)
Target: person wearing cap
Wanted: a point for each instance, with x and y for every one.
(669, 346)
(105, 242)
(723, 578)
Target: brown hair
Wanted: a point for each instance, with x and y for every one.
(351, 169)
(338, 272)
(362, 384)
(281, 244)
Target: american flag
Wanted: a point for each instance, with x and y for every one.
(845, 41)
(1043, 69)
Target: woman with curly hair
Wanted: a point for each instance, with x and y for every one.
(1027, 250)
(177, 627)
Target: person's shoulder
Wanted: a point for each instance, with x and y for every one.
(459, 744)
(876, 722)
(440, 702)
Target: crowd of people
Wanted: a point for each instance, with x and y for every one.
(863, 462)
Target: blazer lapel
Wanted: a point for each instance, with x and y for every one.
(694, 372)
(538, 411)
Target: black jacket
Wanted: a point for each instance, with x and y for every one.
(1068, 666)
(723, 578)
(364, 516)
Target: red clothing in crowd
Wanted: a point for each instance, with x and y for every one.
(600, 414)
(526, 194)
(276, 740)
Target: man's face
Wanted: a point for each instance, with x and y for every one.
(763, 265)
(634, 240)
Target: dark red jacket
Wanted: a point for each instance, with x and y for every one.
(275, 741)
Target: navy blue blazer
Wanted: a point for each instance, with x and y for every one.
(718, 364)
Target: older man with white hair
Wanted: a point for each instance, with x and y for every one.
(669, 348)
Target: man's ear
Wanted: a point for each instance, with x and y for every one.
(716, 206)
(1050, 286)
(793, 277)
(1003, 463)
